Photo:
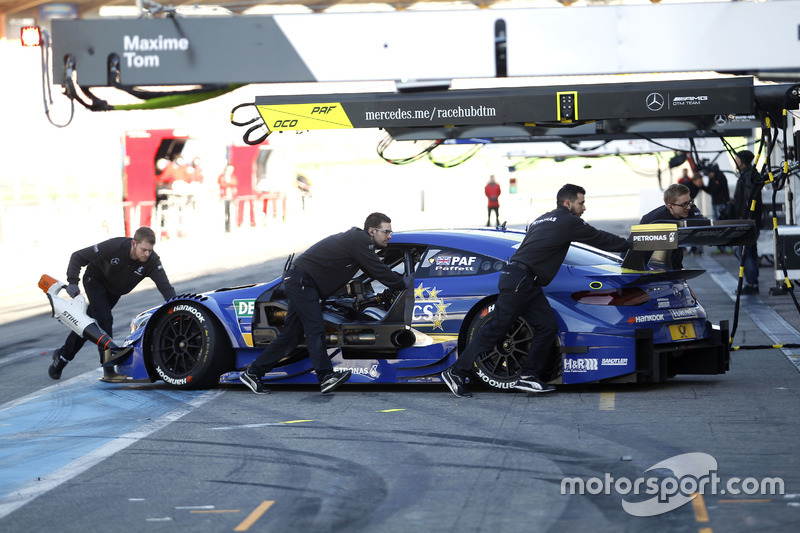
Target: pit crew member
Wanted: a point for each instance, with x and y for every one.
(312, 277)
(113, 268)
(532, 267)
(678, 205)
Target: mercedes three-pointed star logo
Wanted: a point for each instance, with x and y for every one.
(654, 101)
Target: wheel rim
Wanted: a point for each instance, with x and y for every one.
(504, 361)
(179, 345)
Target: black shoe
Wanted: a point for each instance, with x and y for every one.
(253, 382)
(456, 383)
(533, 384)
(333, 380)
(110, 376)
(58, 365)
(750, 288)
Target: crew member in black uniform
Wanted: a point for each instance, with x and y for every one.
(113, 268)
(532, 267)
(313, 276)
(677, 206)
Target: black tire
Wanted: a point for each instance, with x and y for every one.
(500, 367)
(189, 350)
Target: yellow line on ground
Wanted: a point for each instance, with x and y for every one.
(389, 410)
(606, 401)
(705, 530)
(254, 516)
(295, 421)
(700, 512)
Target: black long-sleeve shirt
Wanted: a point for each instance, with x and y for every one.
(547, 242)
(110, 263)
(718, 188)
(334, 260)
(745, 193)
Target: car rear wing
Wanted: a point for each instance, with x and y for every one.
(647, 239)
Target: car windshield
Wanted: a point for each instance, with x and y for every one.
(582, 255)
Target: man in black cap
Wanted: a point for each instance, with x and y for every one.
(748, 188)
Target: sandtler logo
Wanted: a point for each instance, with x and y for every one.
(692, 474)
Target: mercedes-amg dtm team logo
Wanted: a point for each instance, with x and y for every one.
(654, 101)
(796, 248)
(720, 120)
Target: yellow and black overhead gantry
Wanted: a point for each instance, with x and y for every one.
(665, 109)
(195, 57)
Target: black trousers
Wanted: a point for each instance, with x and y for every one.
(496, 215)
(101, 302)
(304, 316)
(520, 296)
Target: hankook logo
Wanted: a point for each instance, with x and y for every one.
(655, 102)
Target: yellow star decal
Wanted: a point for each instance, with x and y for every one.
(419, 292)
(433, 299)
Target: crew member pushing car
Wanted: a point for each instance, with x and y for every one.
(677, 206)
(113, 268)
(532, 267)
(316, 274)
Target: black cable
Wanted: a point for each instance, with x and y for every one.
(69, 83)
(765, 346)
(242, 106)
(571, 145)
(388, 140)
(47, 95)
(474, 149)
(634, 169)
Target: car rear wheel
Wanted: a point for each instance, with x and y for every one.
(189, 349)
(499, 368)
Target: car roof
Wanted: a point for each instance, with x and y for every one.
(497, 243)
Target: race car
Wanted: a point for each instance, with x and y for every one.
(619, 322)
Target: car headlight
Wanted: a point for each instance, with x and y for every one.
(140, 320)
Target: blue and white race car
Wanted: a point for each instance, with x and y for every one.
(617, 324)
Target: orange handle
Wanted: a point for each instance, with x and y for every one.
(45, 282)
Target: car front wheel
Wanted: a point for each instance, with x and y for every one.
(189, 350)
